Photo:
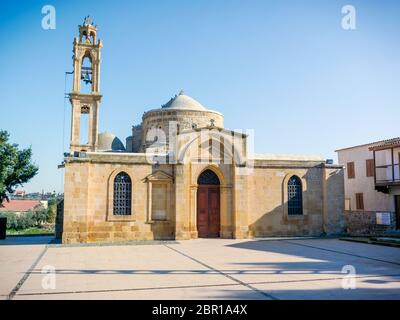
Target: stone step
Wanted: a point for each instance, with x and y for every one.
(392, 234)
(389, 239)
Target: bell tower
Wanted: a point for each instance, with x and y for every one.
(85, 96)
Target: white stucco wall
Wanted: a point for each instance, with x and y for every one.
(373, 200)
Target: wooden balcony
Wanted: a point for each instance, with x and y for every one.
(387, 165)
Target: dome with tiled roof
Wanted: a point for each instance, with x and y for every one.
(181, 111)
(109, 142)
(184, 102)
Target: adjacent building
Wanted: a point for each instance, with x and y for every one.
(22, 206)
(372, 186)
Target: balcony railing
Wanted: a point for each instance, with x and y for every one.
(387, 174)
(387, 167)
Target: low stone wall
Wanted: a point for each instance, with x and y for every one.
(364, 223)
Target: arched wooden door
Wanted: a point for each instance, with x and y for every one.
(208, 205)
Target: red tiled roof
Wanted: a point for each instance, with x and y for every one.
(372, 144)
(386, 144)
(19, 205)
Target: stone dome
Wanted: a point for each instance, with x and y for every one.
(109, 142)
(184, 102)
(184, 112)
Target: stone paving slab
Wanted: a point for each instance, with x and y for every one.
(268, 265)
(121, 267)
(218, 292)
(202, 269)
(363, 249)
(377, 288)
(15, 260)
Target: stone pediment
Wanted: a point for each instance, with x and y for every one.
(159, 176)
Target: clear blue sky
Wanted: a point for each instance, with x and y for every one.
(283, 68)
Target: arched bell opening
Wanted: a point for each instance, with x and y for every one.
(86, 84)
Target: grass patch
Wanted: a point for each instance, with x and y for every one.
(33, 231)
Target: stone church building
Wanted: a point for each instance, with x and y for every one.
(183, 175)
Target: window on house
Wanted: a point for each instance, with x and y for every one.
(360, 201)
(351, 174)
(370, 167)
(295, 196)
(122, 194)
(347, 204)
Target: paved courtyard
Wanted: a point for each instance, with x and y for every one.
(199, 269)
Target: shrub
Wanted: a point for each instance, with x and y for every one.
(11, 219)
(26, 220)
(51, 213)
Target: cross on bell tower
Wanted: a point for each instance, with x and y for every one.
(85, 97)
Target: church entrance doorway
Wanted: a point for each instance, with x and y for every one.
(208, 205)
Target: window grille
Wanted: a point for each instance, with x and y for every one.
(295, 197)
(122, 194)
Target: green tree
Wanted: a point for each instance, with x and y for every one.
(51, 211)
(16, 166)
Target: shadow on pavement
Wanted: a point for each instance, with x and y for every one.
(27, 240)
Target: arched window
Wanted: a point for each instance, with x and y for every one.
(295, 196)
(208, 177)
(122, 194)
(86, 74)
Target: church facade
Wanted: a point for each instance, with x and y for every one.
(183, 175)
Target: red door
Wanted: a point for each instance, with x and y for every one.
(208, 215)
(202, 211)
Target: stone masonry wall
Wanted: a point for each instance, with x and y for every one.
(334, 220)
(88, 202)
(322, 211)
(364, 223)
(267, 214)
(185, 119)
(253, 205)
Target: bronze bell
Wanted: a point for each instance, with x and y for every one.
(86, 77)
